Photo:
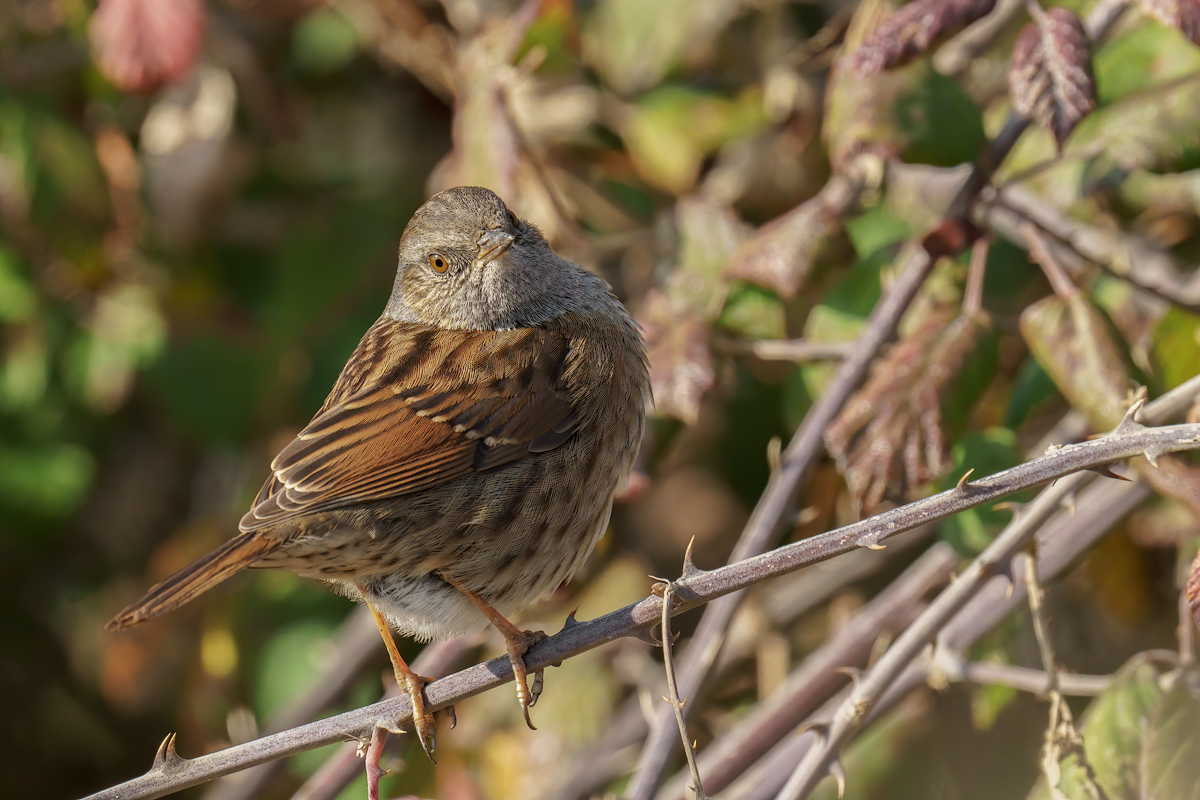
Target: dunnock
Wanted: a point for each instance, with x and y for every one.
(465, 462)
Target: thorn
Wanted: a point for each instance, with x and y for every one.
(1152, 454)
(1129, 423)
(871, 541)
(774, 453)
(647, 635)
(689, 568)
(1015, 507)
(839, 775)
(962, 482)
(853, 673)
(571, 621)
(1108, 473)
(818, 729)
(166, 756)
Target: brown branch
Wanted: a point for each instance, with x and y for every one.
(813, 681)
(1063, 539)
(1129, 441)
(786, 482)
(852, 714)
(957, 670)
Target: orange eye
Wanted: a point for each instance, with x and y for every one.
(438, 262)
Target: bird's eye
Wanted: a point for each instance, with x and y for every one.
(438, 262)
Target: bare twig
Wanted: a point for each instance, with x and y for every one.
(972, 302)
(783, 602)
(777, 501)
(356, 644)
(1062, 737)
(1059, 281)
(1129, 441)
(787, 349)
(1062, 540)
(1125, 254)
(956, 669)
(340, 769)
(668, 599)
(784, 485)
(815, 680)
(851, 715)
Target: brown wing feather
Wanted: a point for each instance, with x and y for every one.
(418, 407)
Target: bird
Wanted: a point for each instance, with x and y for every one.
(465, 462)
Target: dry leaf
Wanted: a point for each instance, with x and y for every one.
(1050, 78)
(888, 437)
(912, 31)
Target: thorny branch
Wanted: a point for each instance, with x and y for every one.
(173, 773)
(905, 651)
(1063, 538)
(786, 482)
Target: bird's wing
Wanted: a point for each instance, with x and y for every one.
(416, 407)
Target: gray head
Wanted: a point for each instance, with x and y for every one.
(468, 263)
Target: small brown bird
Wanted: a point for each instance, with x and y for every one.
(465, 462)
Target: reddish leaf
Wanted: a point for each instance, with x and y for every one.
(1181, 14)
(913, 30)
(888, 436)
(1050, 79)
(141, 45)
(1193, 589)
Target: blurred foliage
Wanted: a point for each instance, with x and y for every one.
(197, 226)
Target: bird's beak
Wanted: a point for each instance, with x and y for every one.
(493, 243)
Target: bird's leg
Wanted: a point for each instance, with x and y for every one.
(517, 642)
(408, 681)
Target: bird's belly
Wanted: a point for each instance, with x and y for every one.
(510, 553)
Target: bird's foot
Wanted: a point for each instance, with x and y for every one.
(518, 643)
(414, 685)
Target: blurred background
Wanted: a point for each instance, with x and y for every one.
(200, 204)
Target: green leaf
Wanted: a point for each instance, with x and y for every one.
(18, 301)
(1177, 346)
(670, 130)
(1114, 725)
(210, 387)
(1072, 341)
(875, 229)
(290, 660)
(922, 116)
(1113, 730)
(49, 481)
(1148, 55)
(753, 312)
(1170, 766)
(324, 41)
(1031, 388)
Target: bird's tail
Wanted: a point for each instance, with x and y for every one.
(196, 578)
